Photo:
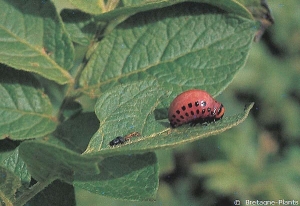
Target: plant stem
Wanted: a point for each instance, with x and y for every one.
(31, 192)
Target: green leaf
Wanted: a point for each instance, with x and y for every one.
(130, 177)
(125, 109)
(81, 26)
(105, 176)
(133, 106)
(76, 132)
(9, 183)
(91, 6)
(33, 39)
(261, 12)
(111, 10)
(52, 158)
(59, 153)
(258, 8)
(45, 160)
(230, 6)
(25, 110)
(182, 46)
(11, 160)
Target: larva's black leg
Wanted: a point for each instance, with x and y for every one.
(173, 125)
(193, 123)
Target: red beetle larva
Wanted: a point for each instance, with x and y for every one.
(194, 106)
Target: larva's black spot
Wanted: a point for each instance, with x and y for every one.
(203, 111)
(197, 111)
(190, 105)
(197, 104)
(183, 108)
(182, 117)
(192, 113)
(177, 111)
(208, 109)
(174, 116)
(187, 114)
(178, 120)
(212, 113)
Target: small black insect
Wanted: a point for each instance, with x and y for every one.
(121, 140)
(116, 141)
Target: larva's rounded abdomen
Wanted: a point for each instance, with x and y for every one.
(195, 106)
